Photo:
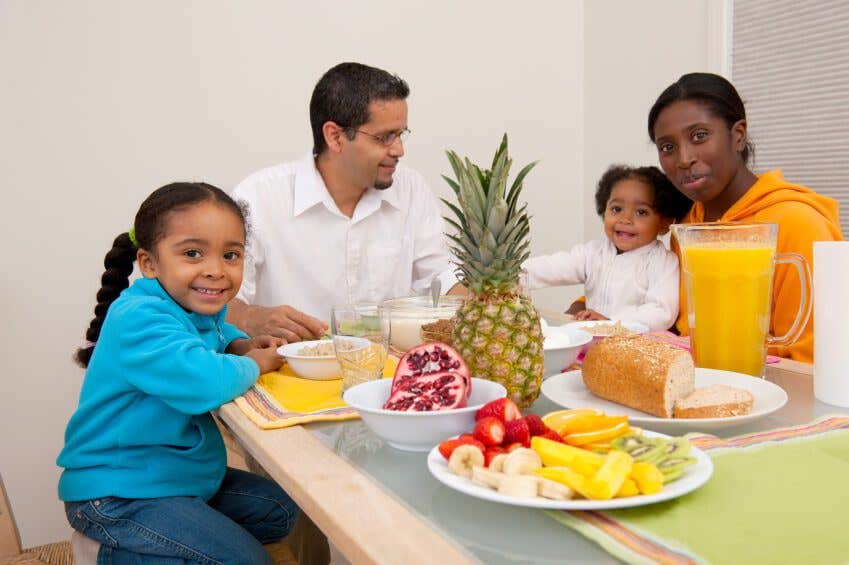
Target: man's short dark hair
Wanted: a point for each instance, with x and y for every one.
(343, 96)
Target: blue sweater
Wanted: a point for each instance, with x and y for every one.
(143, 428)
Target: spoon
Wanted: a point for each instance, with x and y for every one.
(435, 289)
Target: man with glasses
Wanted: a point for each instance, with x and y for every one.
(348, 223)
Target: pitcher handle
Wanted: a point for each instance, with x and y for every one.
(804, 312)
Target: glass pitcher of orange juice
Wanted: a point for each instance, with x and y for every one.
(728, 270)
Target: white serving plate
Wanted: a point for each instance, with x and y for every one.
(694, 476)
(568, 390)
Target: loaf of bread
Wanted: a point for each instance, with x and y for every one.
(639, 372)
(715, 401)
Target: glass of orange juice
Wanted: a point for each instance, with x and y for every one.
(727, 270)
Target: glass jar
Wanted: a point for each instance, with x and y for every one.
(407, 316)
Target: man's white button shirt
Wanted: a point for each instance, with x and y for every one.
(303, 251)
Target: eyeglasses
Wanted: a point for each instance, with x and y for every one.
(387, 139)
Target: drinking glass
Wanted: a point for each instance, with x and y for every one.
(728, 270)
(361, 340)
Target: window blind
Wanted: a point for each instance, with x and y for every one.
(790, 63)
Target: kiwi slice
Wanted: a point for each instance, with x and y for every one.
(628, 443)
(676, 447)
(673, 467)
(643, 450)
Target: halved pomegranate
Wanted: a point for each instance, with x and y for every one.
(425, 393)
(430, 358)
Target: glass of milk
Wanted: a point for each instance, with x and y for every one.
(407, 316)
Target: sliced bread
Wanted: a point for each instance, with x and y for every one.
(639, 372)
(715, 401)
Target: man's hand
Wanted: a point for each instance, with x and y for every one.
(589, 315)
(279, 321)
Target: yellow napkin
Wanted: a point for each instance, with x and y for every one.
(280, 399)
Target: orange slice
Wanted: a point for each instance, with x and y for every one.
(590, 422)
(556, 420)
(598, 435)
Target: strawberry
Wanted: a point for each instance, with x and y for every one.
(472, 440)
(447, 447)
(536, 425)
(490, 431)
(504, 409)
(552, 435)
(490, 453)
(517, 431)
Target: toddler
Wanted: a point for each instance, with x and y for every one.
(630, 275)
(144, 464)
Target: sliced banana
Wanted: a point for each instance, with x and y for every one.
(522, 486)
(521, 461)
(463, 459)
(487, 477)
(554, 490)
(497, 462)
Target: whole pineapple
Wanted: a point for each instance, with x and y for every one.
(497, 329)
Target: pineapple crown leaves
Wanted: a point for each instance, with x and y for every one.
(491, 239)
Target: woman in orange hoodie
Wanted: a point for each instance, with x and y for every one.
(698, 125)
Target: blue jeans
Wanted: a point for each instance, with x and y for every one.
(246, 512)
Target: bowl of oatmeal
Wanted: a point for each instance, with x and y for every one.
(600, 329)
(315, 360)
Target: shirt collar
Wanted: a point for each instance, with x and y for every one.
(309, 187)
(310, 190)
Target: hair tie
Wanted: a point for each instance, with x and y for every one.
(132, 234)
(87, 344)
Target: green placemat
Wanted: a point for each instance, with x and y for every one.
(775, 497)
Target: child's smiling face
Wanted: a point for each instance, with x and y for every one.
(630, 220)
(199, 260)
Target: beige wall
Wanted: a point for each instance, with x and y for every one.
(104, 101)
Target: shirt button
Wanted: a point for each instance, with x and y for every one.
(97, 503)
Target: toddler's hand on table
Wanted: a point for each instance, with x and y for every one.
(584, 315)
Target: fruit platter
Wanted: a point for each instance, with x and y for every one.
(578, 459)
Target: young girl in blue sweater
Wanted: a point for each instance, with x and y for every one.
(144, 464)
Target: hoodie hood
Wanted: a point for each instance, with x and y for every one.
(769, 190)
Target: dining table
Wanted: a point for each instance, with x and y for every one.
(377, 504)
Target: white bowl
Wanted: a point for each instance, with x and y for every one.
(559, 355)
(314, 367)
(417, 431)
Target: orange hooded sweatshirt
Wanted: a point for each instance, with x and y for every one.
(803, 217)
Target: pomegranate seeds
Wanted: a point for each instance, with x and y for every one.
(428, 378)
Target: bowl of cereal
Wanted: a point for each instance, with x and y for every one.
(600, 329)
(315, 360)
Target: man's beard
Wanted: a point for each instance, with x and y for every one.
(383, 185)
